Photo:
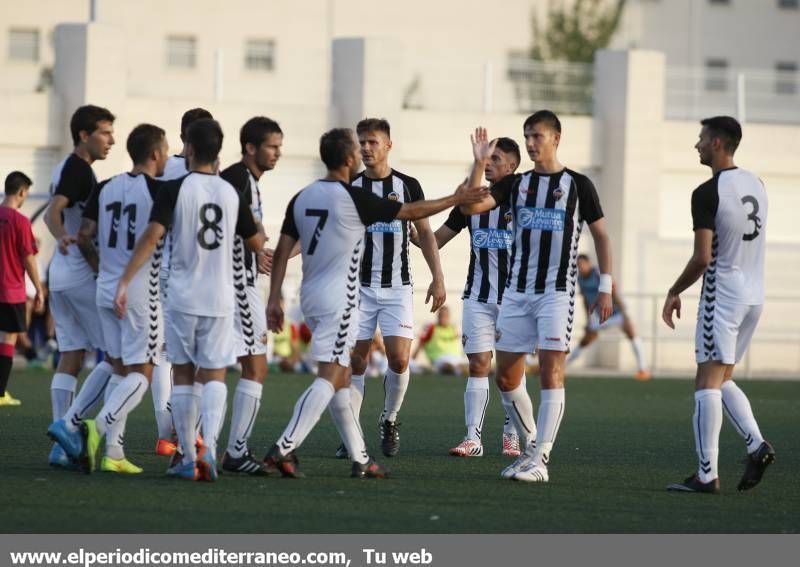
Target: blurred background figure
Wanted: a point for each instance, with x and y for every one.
(377, 363)
(441, 342)
(285, 353)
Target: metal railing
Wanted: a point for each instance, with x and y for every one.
(565, 88)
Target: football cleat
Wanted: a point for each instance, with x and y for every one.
(532, 473)
(524, 459)
(206, 465)
(757, 463)
(510, 445)
(9, 401)
(285, 464)
(341, 452)
(370, 469)
(245, 464)
(166, 448)
(59, 459)
(390, 437)
(643, 376)
(467, 448)
(121, 466)
(91, 442)
(185, 471)
(70, 441)
(693, 484)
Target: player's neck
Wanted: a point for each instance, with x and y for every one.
(84, 154)
(11, 202)
(203, 168)
(148, 169)
(250, 164)
(718, 163)
(378, 171)
(342, 175)
(548, 167)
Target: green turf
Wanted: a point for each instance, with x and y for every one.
(620, 444)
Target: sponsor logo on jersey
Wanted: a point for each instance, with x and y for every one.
(492, 238)
(541, 218)
(394, 226)
(393, 196)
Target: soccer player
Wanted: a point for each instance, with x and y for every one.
(117, 214)
(385, 276)
(328, 218)
(162, 377)
(204, 213)
(589, 284)
(17, 256)
(261, 140)
(491, 236)
(729, 214)
(71, 279)
(549, 204)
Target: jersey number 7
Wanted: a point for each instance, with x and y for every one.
(323, 217)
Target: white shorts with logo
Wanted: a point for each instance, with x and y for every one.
(724, 330)
(206, 342)
(478, 324)
(136, 338)
(390, 308)
(529, 322)
(77, 322)
(616, 320)
(333, 336)
(250, 323)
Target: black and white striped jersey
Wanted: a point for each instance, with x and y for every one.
(386, 261)
(734, 205)
(74, 179)
(328, 218)
(245, 265)
(204, 213)
(121, 208)
(549, 212)
(491, 235)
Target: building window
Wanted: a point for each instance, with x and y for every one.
(23, 45)
(786, 78)
(716, 75)
(259, 54)
(181, 51)
(789, 4)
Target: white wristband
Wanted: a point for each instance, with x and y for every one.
(605, 283)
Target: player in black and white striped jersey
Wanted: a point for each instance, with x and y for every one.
(261, 140)
(550, 203)
(491, 234)
(385, 275)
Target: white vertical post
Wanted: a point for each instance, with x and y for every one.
(488, 85)
(219, 72)
(740, 97)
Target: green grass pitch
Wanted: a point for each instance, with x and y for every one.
(621, 442)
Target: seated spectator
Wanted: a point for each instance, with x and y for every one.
(442, 344)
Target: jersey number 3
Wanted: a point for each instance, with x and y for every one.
(210, 233)
(753, 216)
(323, 217)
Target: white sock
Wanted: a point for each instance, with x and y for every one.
(551, 411)
(519, 408)
(638, 352)
(197, 392)
(357, 394)
(160, 388)
(476, 399)
(125, 397)
(184, 414)
(508, 425)
(62, 392)
(212, 412)
(574, 354)
(707, 422)
(116, 433)
(89, 396)
(307, 411)
(246, 401)
(395, 386)
(344, 418)
(737, 407)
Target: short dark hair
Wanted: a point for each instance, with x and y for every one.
(190, 116)
(374, 125)
(86, 118)
(15, 181)
(548, 117)
(727, 129)
(584, 257)
(509, 146)
(256, 130)
(205, 137)
(143, 140)
(335, 146)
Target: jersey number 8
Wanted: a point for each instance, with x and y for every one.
(210, 217)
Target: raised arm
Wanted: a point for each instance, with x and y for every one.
(464, 195)
(481, 152)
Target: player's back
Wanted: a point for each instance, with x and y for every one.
(174, 168)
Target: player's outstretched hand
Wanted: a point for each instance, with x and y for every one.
(121, 300)
(64, 242)
(672, 303)
(604, 306)
(265, 260)
(437, 292)
(469, 195)
(274, 316)
(481, 147)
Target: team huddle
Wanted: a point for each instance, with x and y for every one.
(158, 268)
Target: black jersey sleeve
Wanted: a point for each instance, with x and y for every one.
(91, 210)
(154, 186)
(501, 191)
(245, 223)
(238, 176)
(456, 221)
(588, 200)
(76, 182)
(289, 227)
(166, 200)
(371, 208)
(705, 201)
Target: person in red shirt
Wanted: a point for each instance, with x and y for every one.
(17, 251)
